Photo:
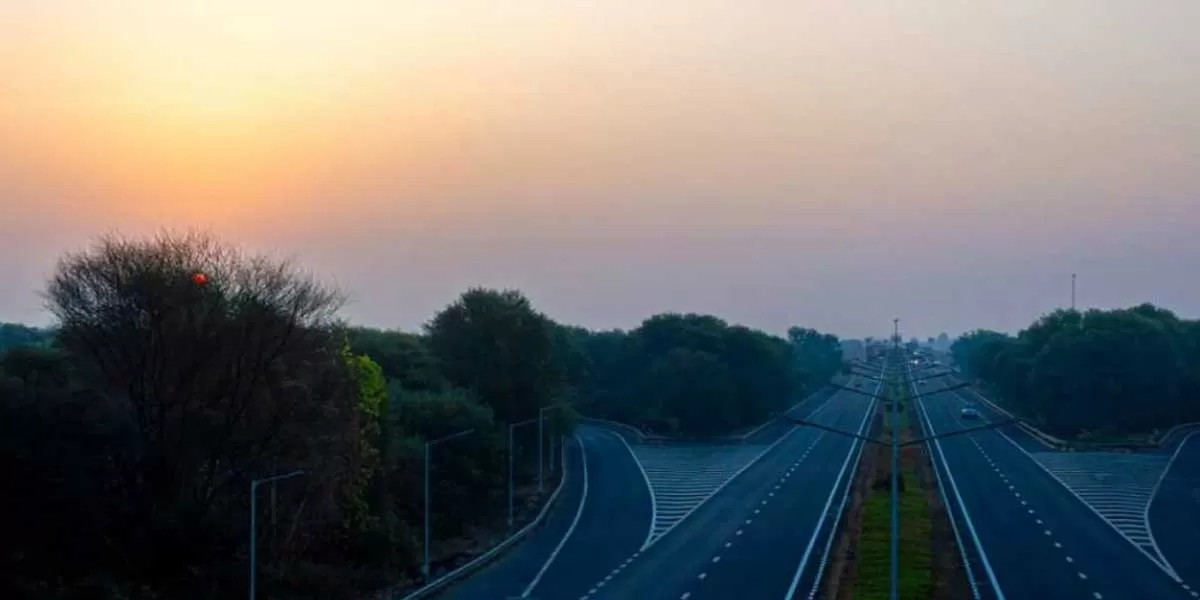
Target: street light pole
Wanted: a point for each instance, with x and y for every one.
(254, 483)
(428, 451)
(511, 454)
(895, 538)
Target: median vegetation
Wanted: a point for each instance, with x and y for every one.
(872, 580)
(1093, 375)
(929, 565)
(179, 369)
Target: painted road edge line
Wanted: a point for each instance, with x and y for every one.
(483, 559)
(962, 506)
(962, 548)
(570, 530)
(1154, 495)
(1160, 562)
(710, 495)
(812, 541)
(812, 593)
(649, 490)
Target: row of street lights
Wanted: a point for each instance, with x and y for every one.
(426, 486)
(896, 445)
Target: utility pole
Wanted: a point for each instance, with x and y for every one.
(1072, 292)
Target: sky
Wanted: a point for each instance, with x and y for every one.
(821, 163)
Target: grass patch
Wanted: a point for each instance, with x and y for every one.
(872, 580)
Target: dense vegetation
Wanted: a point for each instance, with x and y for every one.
(129, 441)
(1099, 373)
(696, 375)
(14, 335)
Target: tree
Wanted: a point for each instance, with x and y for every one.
(403, 357)
(1096, 373)
(496, 345)
(209, 381)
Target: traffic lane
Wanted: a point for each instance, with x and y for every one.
(675, 559)
(780, 426)
(762, 560)
(614, 523)
(512, 572)
(973, 399)
(1017, 433)
(1015, 504)
(1175, 510)
(1025, 563)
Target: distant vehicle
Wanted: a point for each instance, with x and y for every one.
(969, 413)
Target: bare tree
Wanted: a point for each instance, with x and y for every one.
(221, 365)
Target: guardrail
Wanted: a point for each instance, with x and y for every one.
(1037, 434)
(482, 560)
(632, 429)
(1061, 444)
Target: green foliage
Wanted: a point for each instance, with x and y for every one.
(136, 432)
(1098, 373)
(403, 357)
(872, 579)
(496, 345)
(13, 335)
(696, 375)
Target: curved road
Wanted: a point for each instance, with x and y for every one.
(584, 535)
(1175, 510)
(1027, 535)
(762, 535)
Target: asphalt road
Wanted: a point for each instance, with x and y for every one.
(1026, 534)
(585, 535)
(1175, 510)
(761, 535)
(603, 518)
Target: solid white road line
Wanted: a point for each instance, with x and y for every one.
(987, 566)
(812, 541)
(649, 489)
(1160, 562)
(570, 530)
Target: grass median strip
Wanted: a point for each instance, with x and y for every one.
(916, 557)
(873, 578)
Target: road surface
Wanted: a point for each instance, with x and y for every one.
(1027, 535)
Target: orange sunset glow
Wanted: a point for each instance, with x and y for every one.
(471, 129)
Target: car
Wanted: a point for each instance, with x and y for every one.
(969, 413)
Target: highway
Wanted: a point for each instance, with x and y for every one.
(1026, 535)
(763, 535)
(1175, 510)
(602, 517)
(642, 520)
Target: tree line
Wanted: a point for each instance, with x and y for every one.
(1092, 374)
(179, 369)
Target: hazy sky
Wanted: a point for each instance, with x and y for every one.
(825, 163)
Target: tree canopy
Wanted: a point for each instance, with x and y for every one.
(180, 369)
(1098, 373)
